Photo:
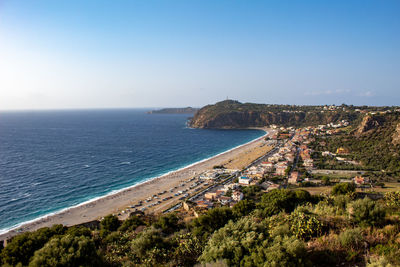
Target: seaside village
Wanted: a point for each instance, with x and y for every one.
(289, 163)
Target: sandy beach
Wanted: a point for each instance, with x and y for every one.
(114, 204)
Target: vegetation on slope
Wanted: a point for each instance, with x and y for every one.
(282, 228)
(373, 143)
(233, 114)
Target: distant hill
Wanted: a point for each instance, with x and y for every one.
(375, 142)
(187, 110)
(233, 114)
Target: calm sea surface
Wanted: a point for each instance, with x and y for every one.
(50, 160)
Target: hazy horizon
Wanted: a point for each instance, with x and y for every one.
(58, 55)
(162, 107)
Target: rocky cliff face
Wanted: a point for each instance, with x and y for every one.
(367, 124)
(233, 114)
(396, 135)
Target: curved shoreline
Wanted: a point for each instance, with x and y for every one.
(41, 221)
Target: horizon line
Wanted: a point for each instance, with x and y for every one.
(162, 107)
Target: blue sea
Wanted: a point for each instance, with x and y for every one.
(52, 160)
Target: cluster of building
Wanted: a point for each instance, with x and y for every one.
(216, 174)
(285, 163)
(224, 195)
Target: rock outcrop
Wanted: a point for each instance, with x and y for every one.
(233, 114)
(396, 135)
(367, 124)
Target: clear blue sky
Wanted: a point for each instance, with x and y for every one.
(95, 54)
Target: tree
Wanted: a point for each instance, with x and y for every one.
(343, 188)
(131, 224)
(283, 200)
(234, 241)
(22, 247)
(149, 247)
(243, 208)
(168, 223)
(326, 180)
(214, 219)
(251, 191)
(79, 231)
(67, 251)
(109, 224)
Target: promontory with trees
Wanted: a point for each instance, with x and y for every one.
(325, 217)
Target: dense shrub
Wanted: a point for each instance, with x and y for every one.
(325, 180)
(307, 184)
(187, 249)
(168, 223)
(390, 251)
(214, 219)
(110, 223)
(392, 199)
(251, 191)
(379, 262)
(116, 248)
(367, 212)
(235, 240)
(79, 231)
(22, 247)
(343, 188)
(243, 208)
(131, 224)
(224, 236)
(283, 200)
(341, 201)
(305, 225)
(281, 251)
(67, 251)
(147, 244)
(351, 238)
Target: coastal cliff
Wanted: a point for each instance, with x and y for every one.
(233, 114)
(367, 124)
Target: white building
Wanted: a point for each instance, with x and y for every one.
(237, 196)
(245, 180)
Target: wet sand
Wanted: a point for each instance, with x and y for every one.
(114, 204)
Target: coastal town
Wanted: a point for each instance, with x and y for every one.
(199, 133)
(284, 158)
(288, 163)
(293, 179)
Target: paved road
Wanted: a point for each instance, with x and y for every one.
(227, 180)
